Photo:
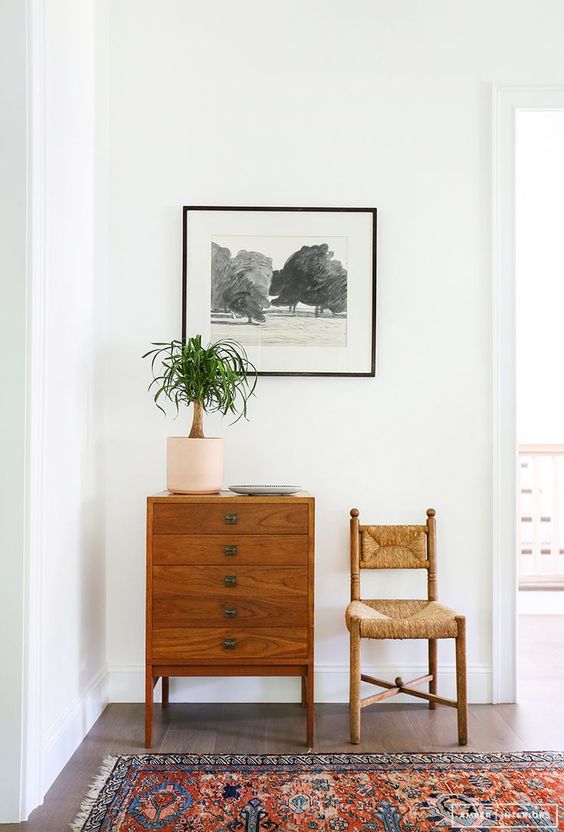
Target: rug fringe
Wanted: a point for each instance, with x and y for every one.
(94, 790)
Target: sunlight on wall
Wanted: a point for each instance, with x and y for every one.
(540, 275)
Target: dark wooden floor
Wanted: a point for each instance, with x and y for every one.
(535, 724)
(280, 728)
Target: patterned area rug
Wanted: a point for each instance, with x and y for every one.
(341, 792)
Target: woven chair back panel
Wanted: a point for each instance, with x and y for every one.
(393, 547)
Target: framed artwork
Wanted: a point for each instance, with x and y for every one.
(295, 286)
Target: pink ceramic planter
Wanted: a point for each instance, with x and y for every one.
(194, 466)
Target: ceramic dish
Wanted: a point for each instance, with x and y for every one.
(265, 489)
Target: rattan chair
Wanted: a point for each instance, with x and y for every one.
(401, 547)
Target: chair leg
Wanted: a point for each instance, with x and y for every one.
(462, 708)
(164, 697)
(433, 669)
(354, 688)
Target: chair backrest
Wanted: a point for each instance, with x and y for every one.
(393, 547)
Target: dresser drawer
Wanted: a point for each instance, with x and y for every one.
(232, 583)
(177, 644)
(233, 518)
(283, 549)
(175, 611)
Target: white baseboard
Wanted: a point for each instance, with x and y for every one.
(127, 684)
(67, 733)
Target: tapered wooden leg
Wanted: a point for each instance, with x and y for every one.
(164, 691)
(354, 686)
(310, 705)
(462, 708)
(304, 692)
(148, 706)
(433, 669)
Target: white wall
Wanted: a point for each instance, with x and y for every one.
(13, 374)
(53, 171)
(539, 201)
(543, 602)
(354, 103)
(73, 664)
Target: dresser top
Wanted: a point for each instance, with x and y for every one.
(230, 496)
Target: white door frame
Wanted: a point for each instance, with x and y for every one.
(32, 788)
(507, 99)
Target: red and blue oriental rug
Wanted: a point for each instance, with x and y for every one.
(333, 792)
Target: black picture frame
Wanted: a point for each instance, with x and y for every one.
(298, 209)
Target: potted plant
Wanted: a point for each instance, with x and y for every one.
(218, 378)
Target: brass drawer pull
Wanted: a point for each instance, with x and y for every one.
(230, 519)
(230, 550)
(230, 612)
(230, 580)
(230, 643)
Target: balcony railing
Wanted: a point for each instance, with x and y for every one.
(541, 517)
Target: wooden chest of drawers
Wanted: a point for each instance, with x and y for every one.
(229, 590)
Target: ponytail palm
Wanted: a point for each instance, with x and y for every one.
(218, 378)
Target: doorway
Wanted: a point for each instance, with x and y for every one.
(539, 282)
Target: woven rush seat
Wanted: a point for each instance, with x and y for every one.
(402, 619)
